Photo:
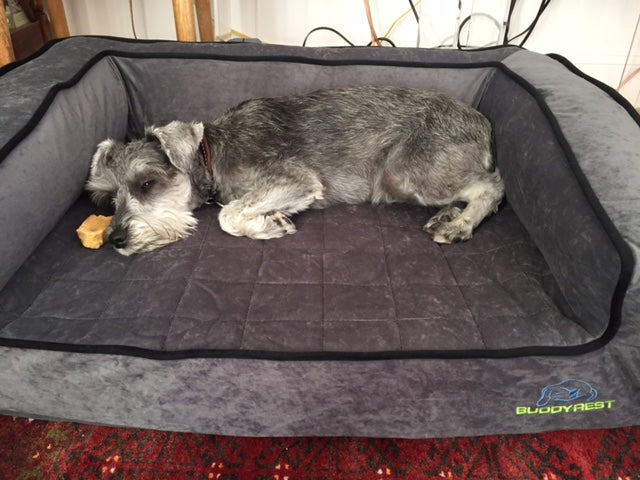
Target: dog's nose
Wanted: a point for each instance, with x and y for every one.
(118, 237)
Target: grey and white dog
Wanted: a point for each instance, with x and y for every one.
(267, 159)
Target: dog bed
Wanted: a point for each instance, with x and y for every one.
(356, 325)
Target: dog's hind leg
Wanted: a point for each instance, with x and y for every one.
(456, 223)
(263, 213)
(445, 215)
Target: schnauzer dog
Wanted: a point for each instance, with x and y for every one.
(267, 159)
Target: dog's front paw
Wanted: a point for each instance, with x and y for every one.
(274, 225)
(259, 227)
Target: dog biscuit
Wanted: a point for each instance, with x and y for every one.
(92, 231)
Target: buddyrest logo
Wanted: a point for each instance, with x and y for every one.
(568, 396)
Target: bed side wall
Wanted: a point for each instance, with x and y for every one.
(202, 89)
(543, 190)
(44, 174)
(606, 141)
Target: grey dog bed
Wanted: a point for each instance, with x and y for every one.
(356, 325)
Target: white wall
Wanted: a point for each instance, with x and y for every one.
(153, 18)
(289, 21)
(596, 36)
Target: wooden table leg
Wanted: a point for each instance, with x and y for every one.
(6, 48)
(185, 20)
(205, 20)
(58, 18)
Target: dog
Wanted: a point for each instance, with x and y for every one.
(270, 158)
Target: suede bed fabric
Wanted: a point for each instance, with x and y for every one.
(352, 279)
(209, 88)
(555, 250)
(605, 140)
(390, 398)
(45, 173)
(563, 226)
(357, 280)
(64, 59)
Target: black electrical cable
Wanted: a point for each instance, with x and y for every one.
(466, 20)
(529, 30)
(512, 6)
(415, 12)
(333, 30)
(543, 6)
(462, 24)
(383, 39)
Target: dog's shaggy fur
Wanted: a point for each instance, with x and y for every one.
(275, 157)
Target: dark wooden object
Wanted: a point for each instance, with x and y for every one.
(28, 38)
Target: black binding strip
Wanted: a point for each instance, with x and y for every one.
(337, 356)
(612, 92)
(626, 257)
(23, 132)
(627, 260)
(10, 66)
(50, 96)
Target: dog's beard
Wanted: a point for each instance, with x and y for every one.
(146, 233)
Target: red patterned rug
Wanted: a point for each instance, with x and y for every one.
(32, 449)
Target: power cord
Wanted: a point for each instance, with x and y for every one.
(507, 25)
(415, 12)
(133, 23)
(401, 17)
(374, 37)
(529, 30)
(382, 39)
(333, 30)
(467, 20)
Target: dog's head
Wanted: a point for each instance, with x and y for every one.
(148, 182)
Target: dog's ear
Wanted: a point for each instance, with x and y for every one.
(105, 152)
(180, 141)
(100, 182)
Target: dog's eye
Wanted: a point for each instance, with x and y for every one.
(146, 186)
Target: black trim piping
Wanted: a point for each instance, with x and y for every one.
(10, 66)
(22, 133)
(612, 92)
(624, 251)
(50, 96)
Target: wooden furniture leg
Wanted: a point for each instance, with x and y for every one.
(185, 20)
(58, 18)
(205, 20)
(6, 48)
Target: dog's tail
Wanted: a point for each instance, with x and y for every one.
(488, 162)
